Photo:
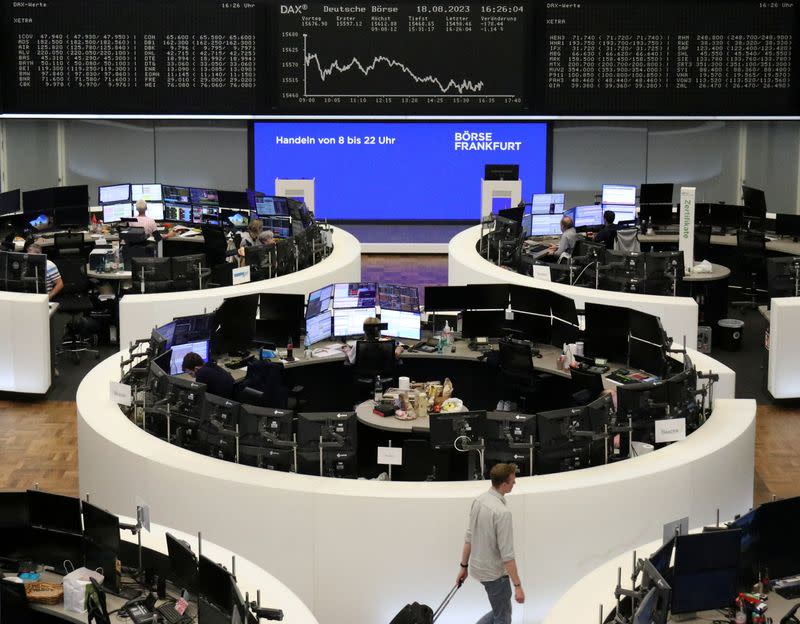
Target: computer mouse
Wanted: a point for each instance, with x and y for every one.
(453, 349)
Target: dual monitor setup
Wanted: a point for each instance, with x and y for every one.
(23, 272)
(67, 533)
(58, 207)
(706, 571)
(285, 216)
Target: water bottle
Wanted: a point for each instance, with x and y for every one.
(378, 390)
(446, 334)
(306, 348)
(440, 344)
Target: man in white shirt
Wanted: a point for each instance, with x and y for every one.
(143, 221)
(489, 547)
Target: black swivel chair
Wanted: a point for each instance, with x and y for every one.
(702, 242)
(518, 377)
(69, 244)
(586, 386)
(75, 300)
(375, 359)
(751, 264)
(265, 385)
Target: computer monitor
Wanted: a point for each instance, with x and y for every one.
(155, 210)
(512, 213)
(558, 449)
(647, 357)
(182, 564)
(187, 270)
(488, 296)
(112, 213)
(350, 321)
(547, 203)
(402, 324)
(282, 308)
(54, 511)
(25, 272)
(154, 273)
(10, 202)
(186, 396)
(239, 607)
(181, 213)
(656, 193)
(157, 375)
(68, 196)
(319, 327)
(72, 216)
(664, 271)
(446, 427)
(662, 558)
(114, 194)
(147, 192)
(101, 527)
(621, 212)
(180, 351)
(776, 540)
(484, 323)
(14, 512)
(587, 216)
(233, 199)
(40, 221)
(235, 322)
(706, 569)
(268, 206)
(725, 216)
(503, 428)
(647, 327)
(183, 329)
(354, 295)
(204, 197)
(598, 413)
(531, 300)
(221, 411)
(393, 297)
(501, 172)
(785, 225)
(176, 194)
(447, 298)
(542, 224)
(656, 214)
(338, 427)
(755, 203)
(235, 218)
(272, 423)
(39, 201)
(606, 332)
(622, 194)
(783, 277)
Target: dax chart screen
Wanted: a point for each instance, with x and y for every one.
(404, 57)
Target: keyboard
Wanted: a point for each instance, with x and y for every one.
(169, 614)
(536, 248)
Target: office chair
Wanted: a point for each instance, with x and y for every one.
(751, 261)
(590, 382)
(375, 359)
(518, 377)
(627, 241)
(702, 241)
(265, 385)
(284, 257)
(75, 300)
(69, 244)
(13, 603)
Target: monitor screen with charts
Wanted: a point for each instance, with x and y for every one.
(155, 210)
(619, 194)
(621, 212)
(319, 301)
(114, 194)
(147, 192)
(588, 216)
(318, 327)
(547, 203)
(350, 321)
(180, 351)
(354, 295)
(114, 212)
(542, 225)
(401, 324)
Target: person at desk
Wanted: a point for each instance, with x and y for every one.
(489, 546)
(566, 243)
(252, 236)
(267, 238)
(52, 280)
(608, 233)
(372, 333)
(148, 224)
(218, 381)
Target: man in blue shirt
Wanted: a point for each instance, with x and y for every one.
(489, 547)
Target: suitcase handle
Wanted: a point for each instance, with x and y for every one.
(446, 600)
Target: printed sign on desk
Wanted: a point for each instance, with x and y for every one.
(390, 455)
(241, 275)
(120, 393)
(541, 272)
(670, 430)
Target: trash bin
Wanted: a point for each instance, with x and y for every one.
(730, 334)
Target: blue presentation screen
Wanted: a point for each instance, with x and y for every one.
(400, 170)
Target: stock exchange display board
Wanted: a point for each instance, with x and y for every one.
(474, 58)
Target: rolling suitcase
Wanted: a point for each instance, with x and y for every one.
(416, 613)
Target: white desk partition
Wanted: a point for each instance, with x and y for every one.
(297, 188)
(139, 314)
(499, 189)
(357, 551)
(25, 340)
(466, 266)
(783, 376)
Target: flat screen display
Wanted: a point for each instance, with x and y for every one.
(621, 213)
(114, 212)
(393, 171)
(319, 301)
(180, 351)
(588, 216)
(115, 193)
(354, 295)
(619, 194)
(319, 327)
(547, 203)
(147, 192)
(350, 321)
(542, 224)
(401, 324)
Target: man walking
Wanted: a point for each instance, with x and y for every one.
(489, 546)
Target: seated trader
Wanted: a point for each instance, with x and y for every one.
(52, 279)
(567, 241)
(142, 220)
(251, 236)
(608, 233)
(372, 333)
(218, 381)
(267, 238)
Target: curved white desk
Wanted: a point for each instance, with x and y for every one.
(465, 266)
(357, 551)
(138, 314)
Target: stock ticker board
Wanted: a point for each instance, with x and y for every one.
(502, 57)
